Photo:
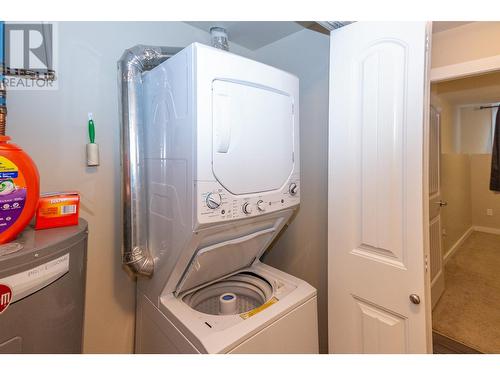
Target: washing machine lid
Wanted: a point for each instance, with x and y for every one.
(253, 136)
(215, 261)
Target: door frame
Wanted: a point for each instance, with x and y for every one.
(425, 188)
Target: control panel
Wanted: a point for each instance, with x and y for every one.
(216, 204)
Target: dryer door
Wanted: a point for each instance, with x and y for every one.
(252, 137)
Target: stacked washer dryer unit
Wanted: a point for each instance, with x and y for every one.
(222, 157)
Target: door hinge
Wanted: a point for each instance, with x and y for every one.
(427, 42)
(426, 263)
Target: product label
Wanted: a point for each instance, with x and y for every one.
(12, 193)
(57, 207)
(257, 310)
(5, 297)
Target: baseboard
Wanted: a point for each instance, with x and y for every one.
(457, 244)
(445, 345)
(486, 230)
(437, 287)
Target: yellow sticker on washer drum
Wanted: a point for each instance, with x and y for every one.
(257, 310)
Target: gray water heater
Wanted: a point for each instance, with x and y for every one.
(42, 291)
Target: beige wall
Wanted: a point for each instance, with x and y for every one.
(302, 248)
(475, 89)
(52, 128)
(456, 190)
(465, 159)
(465, 176)
(475, 130)
(482, 197)
(472, 41)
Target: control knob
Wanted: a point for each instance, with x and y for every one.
(261, 206)
(293, 188)
(213, 200)
(247, 208)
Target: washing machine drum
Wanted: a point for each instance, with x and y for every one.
(236, 294)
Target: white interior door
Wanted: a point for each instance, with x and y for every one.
(378, 182)
(435, 204)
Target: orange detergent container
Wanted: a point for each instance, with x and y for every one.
(19, 189)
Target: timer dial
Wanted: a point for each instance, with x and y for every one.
(247, 208)
(261, 205)
(213, 200)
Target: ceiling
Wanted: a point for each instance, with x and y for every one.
(438, 26)
(257, 34)
(252, 34)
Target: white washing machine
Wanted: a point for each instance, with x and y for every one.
(222, 156)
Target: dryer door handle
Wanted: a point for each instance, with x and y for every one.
(222, 122)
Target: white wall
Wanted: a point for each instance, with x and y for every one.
(52, 128)
(302, 248)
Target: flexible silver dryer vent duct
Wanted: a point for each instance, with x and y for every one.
(332, 25)
(133, 63)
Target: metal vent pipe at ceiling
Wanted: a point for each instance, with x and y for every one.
(323, 27)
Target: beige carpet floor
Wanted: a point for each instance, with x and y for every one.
(469, 309)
